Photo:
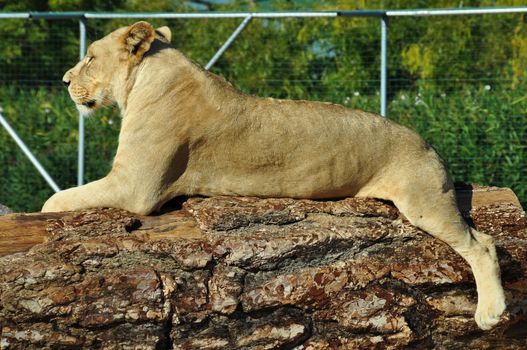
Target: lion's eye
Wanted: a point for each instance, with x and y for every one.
(90, 59)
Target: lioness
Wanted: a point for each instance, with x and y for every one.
(185, 131)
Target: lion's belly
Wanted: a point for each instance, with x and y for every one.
(302, 176)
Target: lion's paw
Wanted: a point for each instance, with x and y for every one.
(54, 204)
(489, 311)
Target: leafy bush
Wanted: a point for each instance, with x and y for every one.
(479, 132)
(47, 122)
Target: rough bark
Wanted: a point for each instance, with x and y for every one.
(247, 273)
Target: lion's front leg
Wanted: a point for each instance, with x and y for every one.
(92, 195)
(58, 202)
(104, 193)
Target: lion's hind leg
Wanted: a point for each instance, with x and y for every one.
(435, 211)
(491, 298)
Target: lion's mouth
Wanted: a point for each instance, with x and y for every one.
(89, 104)
(86, 108)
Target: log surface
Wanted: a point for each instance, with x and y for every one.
(248, 273)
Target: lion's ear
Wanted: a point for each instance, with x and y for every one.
(137, 39)
(164, 34)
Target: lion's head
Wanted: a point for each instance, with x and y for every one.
(98, 79)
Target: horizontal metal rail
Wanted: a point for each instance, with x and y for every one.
(456, 11)
(291, 14)
(11, 15)
(28, 154)
(204, 15)
(164, 15)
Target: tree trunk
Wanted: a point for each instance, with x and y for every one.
(248, 273)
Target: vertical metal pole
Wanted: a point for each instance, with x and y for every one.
(384, 65)
(80, 156)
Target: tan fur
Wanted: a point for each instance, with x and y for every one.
(186, 131)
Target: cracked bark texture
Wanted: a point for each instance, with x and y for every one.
(248, 273)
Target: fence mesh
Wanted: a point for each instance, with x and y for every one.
(459, 81)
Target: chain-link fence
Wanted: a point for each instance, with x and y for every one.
(459, 80)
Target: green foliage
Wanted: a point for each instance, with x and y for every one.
(47, 122)
(479, 132)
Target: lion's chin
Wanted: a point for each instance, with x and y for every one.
(85, 110)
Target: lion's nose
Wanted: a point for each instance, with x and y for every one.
(66, 82)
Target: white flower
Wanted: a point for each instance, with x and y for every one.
(487, 87)
(356, 93)
(110, 121)
(443, 95)
(403, 97)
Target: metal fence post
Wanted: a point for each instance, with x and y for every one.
(80, 154)
(229, 41)
(28, 153)
(384, 65)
